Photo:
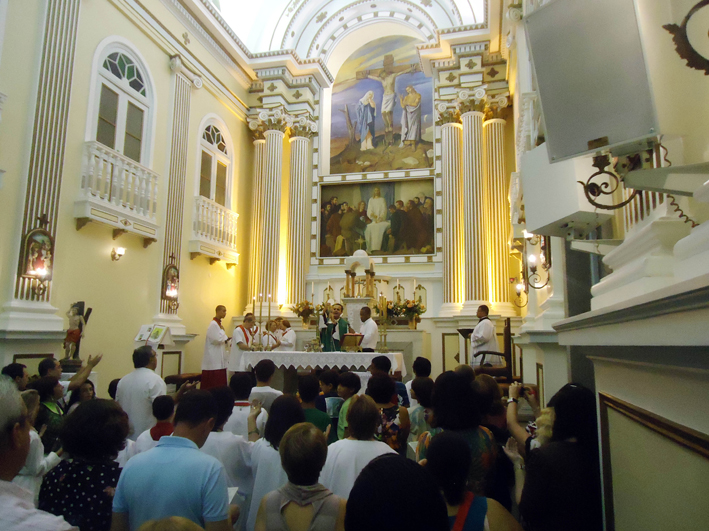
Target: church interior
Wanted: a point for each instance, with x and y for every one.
(548, 159)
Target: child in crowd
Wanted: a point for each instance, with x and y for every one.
(348, 385)
(421, 390)
(382, 365)
(163, 411)
(264, 371)
(308, 389)
(241, 384)
(422, 369)
(331, 401)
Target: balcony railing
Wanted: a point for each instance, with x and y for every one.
(117, 191)
(215, 226)
(123, 183)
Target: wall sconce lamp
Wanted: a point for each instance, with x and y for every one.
(522, 292)
(535, 269)
(117, 252)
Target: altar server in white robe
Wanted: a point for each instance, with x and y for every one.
(242, 340)
(214, 360)
(287, 337)
(369, 330)
(269, 338)
(484, 338)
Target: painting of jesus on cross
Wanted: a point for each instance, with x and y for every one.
(382, 110)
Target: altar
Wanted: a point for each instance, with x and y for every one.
(320, 360)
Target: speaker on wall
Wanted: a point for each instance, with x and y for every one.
(591, 76)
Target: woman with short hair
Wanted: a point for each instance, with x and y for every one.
(302, 504)
(81, 490)
(347, 457)
(265, 459)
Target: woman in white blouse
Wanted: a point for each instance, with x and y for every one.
(37, 464)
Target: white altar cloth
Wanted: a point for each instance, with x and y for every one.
(319, 360)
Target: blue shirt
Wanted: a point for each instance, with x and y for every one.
(172, 479)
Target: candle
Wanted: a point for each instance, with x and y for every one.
(269, 311)
(397, 283)
(414, 284)
(260, 314)
(312, 293)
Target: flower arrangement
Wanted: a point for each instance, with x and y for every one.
(411, 309)
(303, 309)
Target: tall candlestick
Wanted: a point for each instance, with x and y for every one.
(260, 317)
(312, 293)
(269, 311)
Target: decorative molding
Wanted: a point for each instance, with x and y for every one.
(447, 114)
(48, 147)
(279, 120)
(178, 67)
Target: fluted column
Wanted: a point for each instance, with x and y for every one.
(296, 251)
(498, 217)
(269, 238)
(453, 284)
(476, 199)
(257, 216)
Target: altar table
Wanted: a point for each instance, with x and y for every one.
(319, 360)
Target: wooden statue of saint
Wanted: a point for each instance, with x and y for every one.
(77, 323)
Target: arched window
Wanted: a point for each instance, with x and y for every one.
(214, 173)
(123, 104)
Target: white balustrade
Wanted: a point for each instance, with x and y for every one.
(119, 181)
(214, 223)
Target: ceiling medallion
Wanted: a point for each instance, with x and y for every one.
(684, 47)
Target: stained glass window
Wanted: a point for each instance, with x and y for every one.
(214, 136)
(123, 67)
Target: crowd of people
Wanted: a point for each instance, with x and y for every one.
(403, 227)
(448, 453)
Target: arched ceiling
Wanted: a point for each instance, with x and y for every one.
(313, 27)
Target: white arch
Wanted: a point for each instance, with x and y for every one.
(117, 43)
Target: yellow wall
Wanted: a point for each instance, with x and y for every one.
(124, 295)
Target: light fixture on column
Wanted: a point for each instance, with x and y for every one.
(535, 268)
(522, 291)
(117, 253)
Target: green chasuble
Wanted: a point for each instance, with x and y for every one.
(330, 344)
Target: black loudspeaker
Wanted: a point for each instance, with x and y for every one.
(592, 77)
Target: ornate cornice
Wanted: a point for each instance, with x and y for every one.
(472, 101)
(447, 114)
(279, 120)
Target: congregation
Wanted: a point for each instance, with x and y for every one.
(444, 454)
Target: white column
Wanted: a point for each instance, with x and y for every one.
(498, 227)
(452, 220)
(256, 218)
(270, 230)
(298, 222)
(475, 198)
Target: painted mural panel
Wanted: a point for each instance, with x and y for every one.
(384, 218)
(382, 110)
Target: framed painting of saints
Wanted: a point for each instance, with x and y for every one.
(395, 217)
(382, 110)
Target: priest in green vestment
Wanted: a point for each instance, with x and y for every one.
(333, 328)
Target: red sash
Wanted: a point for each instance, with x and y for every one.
(246, 333)
(463, 512)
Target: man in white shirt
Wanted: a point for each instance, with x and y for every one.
(484, 338)
(264, 371)
(243, 339)
(287, 336)
(17, 510)
(369, 330)
(214, 362)
(137, 390)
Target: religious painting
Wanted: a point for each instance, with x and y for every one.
(382, 110)
(38, 255)
(395, 217)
